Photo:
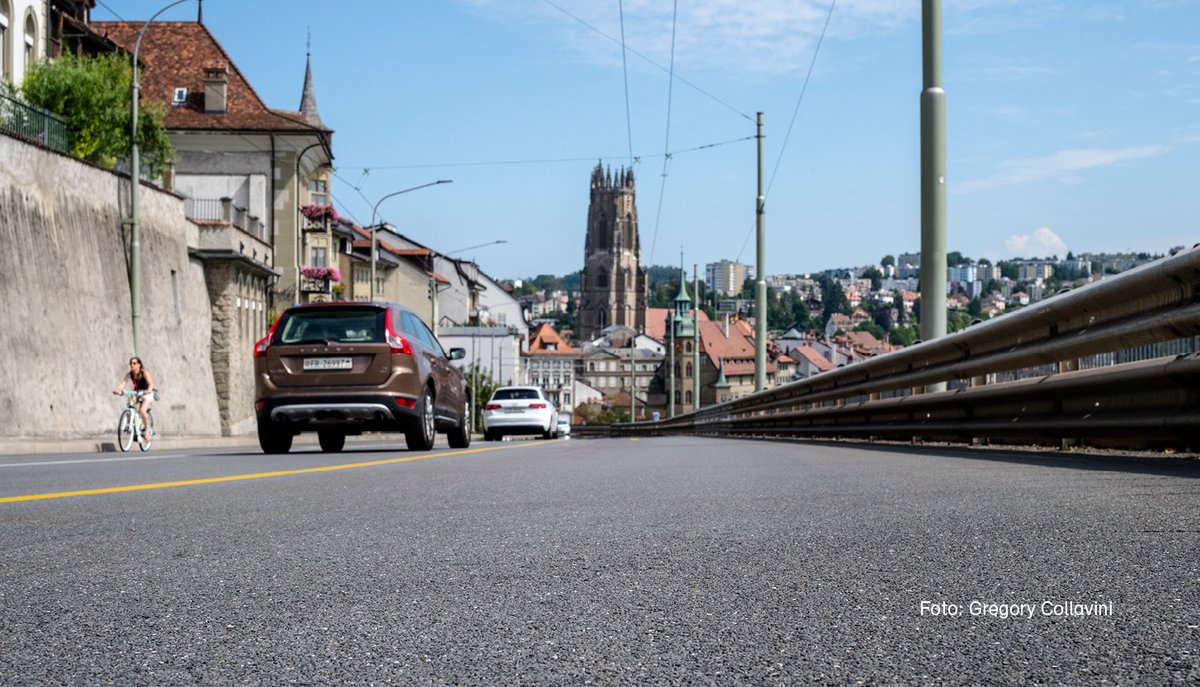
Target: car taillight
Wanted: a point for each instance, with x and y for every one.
(492, 406)
(260, 348)
(409, 403)
(397, 343)
(537, 405)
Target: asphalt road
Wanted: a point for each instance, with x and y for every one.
(659, 561)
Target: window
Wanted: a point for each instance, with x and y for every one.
(316, 256)
(3, 38)
(318, 192)
(30, 42)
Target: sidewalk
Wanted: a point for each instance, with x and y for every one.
(107, 444)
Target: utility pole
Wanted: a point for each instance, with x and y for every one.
(135, 181)
(671, 366)
(696, 338)
(933, 180)
(760, 283)
(633, 377)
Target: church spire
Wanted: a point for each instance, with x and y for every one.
(308, 99)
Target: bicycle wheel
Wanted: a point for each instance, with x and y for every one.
(147, 437)
(125, 430)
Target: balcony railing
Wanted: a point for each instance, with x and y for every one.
(33, 124)
(223, 210)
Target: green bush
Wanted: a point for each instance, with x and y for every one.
(93, 95)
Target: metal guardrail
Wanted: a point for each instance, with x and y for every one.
(33, 124)
(1031, 376)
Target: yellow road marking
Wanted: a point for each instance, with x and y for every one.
(256, 475)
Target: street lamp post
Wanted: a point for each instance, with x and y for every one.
(135, 238)
(373, 229)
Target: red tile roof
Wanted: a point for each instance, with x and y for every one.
(540, 338)
(174, 55)
(735, 349)
(812, 356)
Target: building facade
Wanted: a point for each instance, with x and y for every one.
(726, 277)
(614, 287)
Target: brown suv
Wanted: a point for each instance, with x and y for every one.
(346, 368)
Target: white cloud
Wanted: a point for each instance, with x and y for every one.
(1040, 244)
(1063, 166)
(763, 36)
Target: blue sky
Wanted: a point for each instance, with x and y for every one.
(1072, 126)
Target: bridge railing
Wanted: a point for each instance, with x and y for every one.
(1113, 362)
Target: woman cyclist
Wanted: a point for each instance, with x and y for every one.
(142, 383)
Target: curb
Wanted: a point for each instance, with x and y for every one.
(26, 445)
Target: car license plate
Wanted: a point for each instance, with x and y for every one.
(327, 364)
(514, 410)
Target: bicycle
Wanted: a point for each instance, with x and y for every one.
(129, 427)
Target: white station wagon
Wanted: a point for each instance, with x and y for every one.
(519, 410)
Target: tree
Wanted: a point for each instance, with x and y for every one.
(93, 94)
(888, 260)
(873, 329)
(483, 391)
(954, 258)
(875, 276)
(833, 299)
(903, 336)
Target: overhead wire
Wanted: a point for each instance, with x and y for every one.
(662, 189)
(537, 161)
(787, 136)
(651, 62)
(110, 10)
(625, 74)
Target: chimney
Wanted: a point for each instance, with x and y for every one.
(726, 325)
(216, 89)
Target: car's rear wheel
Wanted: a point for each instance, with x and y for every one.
(273, 439)
(331, 441)
(460, 436)
(420, 436)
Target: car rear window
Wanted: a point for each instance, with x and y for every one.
(514, 394)
(341, 325)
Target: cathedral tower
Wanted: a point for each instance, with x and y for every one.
(613, 283)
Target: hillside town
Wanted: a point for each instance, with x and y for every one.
(614, 340)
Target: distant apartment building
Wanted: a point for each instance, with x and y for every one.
(1080, 266)
(726, 277)
(964, 278)
(1034, 270)
(987, 273)
(1116, 262)
(962, 273)
(908, 266)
